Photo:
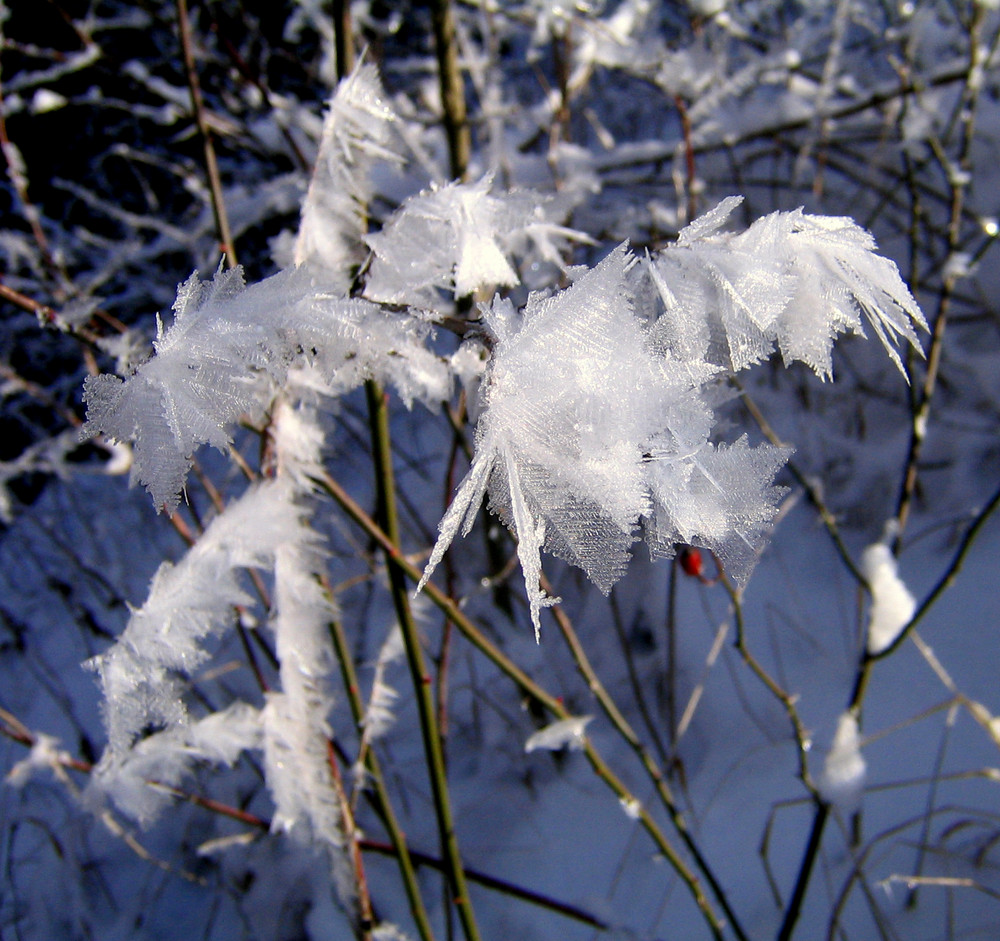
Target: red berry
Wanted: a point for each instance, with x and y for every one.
(691, 561)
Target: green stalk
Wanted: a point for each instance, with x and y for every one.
(456, 121)
(400, 564)
(388, 816)
(430, 731)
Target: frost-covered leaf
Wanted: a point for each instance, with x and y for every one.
(230, 347)
(573, 399)
(458, 239)
(356, 136)
(186, 394)
(792, 280)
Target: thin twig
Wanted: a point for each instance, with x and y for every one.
(211, 163)
(430, 731)
(397, 561)
(456, 122)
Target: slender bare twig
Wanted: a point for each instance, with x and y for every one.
(211, 162)
(397, 561)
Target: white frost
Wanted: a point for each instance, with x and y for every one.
(356, 136)
(566, 733)
(44, 754)
(842, 780)
(892, 604)
(791, 281)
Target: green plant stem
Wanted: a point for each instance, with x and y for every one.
(430, 731)
(794, 907)
(343, 36)
(787, 700)
(398, 562)
(456, 121)
(390, 822)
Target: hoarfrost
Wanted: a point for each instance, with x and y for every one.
(791, 281)
(892, 605)
(572, 398)
(45, 754)
(230, 347)
(842, 780)
(566, 733)
(458, 239)
(590, 426)
(188, 602)
(379, 716)
(139, 780)
(356, 135)
(719, 497)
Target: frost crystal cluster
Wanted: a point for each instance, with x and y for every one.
(595, 425)
(596, 421)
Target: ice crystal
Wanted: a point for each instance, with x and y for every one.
(457, 239)
(356, 136)
(573, 398)
(791, 281)
(142, 673)
(565, 733)
(228, 350)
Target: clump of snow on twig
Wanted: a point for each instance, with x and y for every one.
(892, 604)
(565, 733)
(842, 780)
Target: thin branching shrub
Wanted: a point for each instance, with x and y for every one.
(542, 337)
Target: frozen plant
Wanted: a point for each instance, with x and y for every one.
(595, 428)
(595, 421)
